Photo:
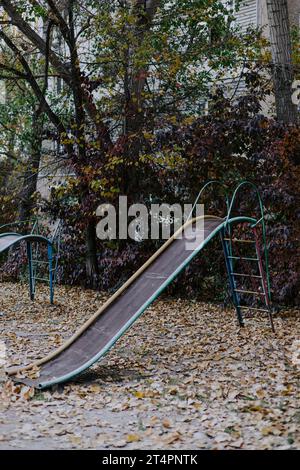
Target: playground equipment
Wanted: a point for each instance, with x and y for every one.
(95, 338)
(34, 240)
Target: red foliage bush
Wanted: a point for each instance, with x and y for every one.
(234, 142)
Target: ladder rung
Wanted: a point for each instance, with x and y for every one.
(246, 275)
(241, 257)
(237, 240)
(249, 292)
(254, 308)
(41, 279)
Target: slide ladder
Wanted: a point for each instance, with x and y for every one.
(240, 267)
(237, 262)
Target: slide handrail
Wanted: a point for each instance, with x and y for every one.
(233, 200)
(209, 183)
(19, 223)
(34, 229)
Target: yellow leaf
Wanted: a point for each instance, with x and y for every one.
(147, 135)
(94, 388)
(172, 438)
(266, 431)
(27, 392)
(76, 440)
(133, 438)
(166, 423)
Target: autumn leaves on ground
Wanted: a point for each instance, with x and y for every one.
(184, 376)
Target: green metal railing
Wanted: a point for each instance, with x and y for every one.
(33, 240)
(260, 220)
(227, 244)
(22, 223)
(203, 189)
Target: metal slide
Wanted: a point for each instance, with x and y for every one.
(9, 240)
(112, 320)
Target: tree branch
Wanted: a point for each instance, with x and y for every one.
(36, 89)
(64, 28)
(36, 39)
(7, 68)
(62, 69)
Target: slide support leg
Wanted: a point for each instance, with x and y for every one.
(50, 263)
(264, 279)
(30, 270)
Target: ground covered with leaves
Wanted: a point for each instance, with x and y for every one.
(183, 377)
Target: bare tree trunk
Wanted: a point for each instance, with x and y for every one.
(31, 174)
(134, 84)
(92, 270)
(78, 96)
(144, 12)
(283, 75)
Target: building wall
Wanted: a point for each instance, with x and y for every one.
(254, 12)
(247, 15)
